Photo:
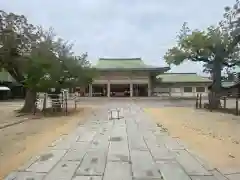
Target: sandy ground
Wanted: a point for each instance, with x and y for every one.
(214, 136)
(20, 142)
(6, 112)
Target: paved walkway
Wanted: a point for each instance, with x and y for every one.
(131, 148)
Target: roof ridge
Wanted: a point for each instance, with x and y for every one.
(178, 73)
(117, 59)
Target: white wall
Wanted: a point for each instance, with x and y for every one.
(179, 91)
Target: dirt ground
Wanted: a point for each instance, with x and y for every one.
(21, 141)
(215, 136)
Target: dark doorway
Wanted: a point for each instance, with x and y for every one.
(140, 90)
(99, 90)
(120, 90)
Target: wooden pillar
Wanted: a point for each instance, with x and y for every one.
(149, 89)
(108, 89)
(90, 90)
(131, 89)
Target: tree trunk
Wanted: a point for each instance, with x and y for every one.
(29, 103)
(44, 102)
(214, 98)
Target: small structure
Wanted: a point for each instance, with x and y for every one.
(4, 92)
(16, 90)
(114, 114)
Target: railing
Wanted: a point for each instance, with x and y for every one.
(230, 100)
(60, 103)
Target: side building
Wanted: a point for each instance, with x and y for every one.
(9, 88)
(181, 84)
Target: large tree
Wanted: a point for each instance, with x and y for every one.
(217, 46)
(39, 60)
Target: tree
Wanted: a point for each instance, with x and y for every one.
(217, 46)
(37, 59)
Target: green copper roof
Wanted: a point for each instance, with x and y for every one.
(128, 63)
(182, 77)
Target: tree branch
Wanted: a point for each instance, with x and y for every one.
(231, 64)
(206, 60)
(232, 45)
(200, 59)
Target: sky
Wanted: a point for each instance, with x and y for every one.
(122, 28)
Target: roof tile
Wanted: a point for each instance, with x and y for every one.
(182, 77)
(128, 63)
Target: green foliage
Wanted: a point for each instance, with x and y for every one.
(220, 43)
(37, 58)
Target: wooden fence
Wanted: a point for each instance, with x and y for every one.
(229, 104)
(61, 102)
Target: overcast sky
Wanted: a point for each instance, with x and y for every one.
(121, 28)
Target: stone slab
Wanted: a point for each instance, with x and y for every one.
(171, 170)
(77, 152)
(159, 132)
(101, 141)
(172, 143)
(117, 171)
(203, 178)
(233, 176)
(74, 155)
(87, 178)
(11, 176)
(120, 123)
(54, 143)
(107, 125)
(130, 122)
(64, 143)
(87, 136)
(119, 130)
(29, 163)
(64, 170)
(93, 163)
(190, 164)
(46, 161)
(229, 170)
(118, 151)
(218, 175)
(143, 165)
(160, 152)
(136, 141)
(202, 161)
(25, 176)
(80, 145)
(147, 179)
(146, 125)
(149, 136)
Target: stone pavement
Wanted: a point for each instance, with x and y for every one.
(130, 148)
